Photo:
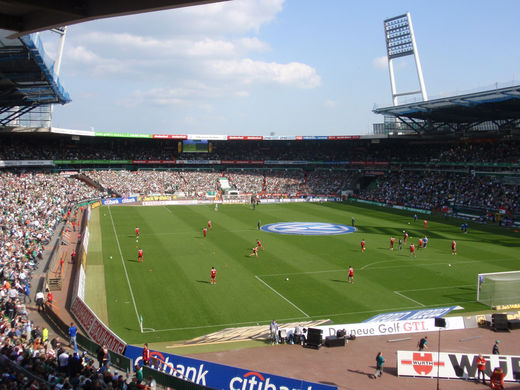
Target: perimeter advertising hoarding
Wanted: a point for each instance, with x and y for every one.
(454, 365)
(245, 138)
(96, 330)
(114, 201)
(389, 328)
(219, 376)
(24, 163)
(412, 314)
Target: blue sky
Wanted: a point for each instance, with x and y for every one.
(288, 67)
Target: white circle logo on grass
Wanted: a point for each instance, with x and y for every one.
(308, 228)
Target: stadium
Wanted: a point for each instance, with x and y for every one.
(243, 261)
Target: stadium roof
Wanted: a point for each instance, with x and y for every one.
(493, 105)
(27, 78)
(27, 16)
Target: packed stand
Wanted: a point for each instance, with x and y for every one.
(32, 205)
(31, 361)
(148, 182)
(436, 190)
(249, 181)
(16, 147)
(328, 181)
(286, 181)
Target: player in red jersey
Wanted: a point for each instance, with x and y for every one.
(255, 252)
(205, 232)
(405, 237)
(392, 240)
(136, 232)
(362, 246)
(146, 355)
(412, 250)
(350, 274)
(425, 224)
(140, 255)
(453, 247)
(209, 225)
(259, 244)
(213, 275)
(420, 243)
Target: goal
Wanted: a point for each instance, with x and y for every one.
(499, 288)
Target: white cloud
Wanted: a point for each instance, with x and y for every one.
(211, 48)
(189, 93)
(85, 59)
(252, 44)
(249, 71)
(125, 44)
(81, 54)
(237, 16)
(380, 62)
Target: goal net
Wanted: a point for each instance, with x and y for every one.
(499, 288)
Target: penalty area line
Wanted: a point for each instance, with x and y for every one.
(413, 300)
(281, 296)
(234, 324)
(304, 273)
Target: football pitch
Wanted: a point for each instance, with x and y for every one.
(296, 277)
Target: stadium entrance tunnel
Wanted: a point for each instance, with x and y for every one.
(308, 228)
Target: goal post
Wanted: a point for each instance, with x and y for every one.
(498, 288)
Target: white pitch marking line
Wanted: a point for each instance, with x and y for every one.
(305, 273)
(124, 267)
(281, 296)
(220, 325)
(438, 288)
(435, 305)
(183, 232)
(413, 300)
(377, 262)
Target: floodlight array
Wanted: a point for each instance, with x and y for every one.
(400, 42)
(398, 37)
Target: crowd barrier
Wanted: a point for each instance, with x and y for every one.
(168, 381)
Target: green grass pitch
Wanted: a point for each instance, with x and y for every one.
(172, 293)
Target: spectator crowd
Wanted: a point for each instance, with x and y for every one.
(13, 147)
(436, 190)
(32, 206)
(294, 182)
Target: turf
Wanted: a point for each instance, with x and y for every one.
(172, 293)
(95, 293)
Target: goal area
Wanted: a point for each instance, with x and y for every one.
(499, 288)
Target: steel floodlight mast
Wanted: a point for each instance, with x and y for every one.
(400, 42)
